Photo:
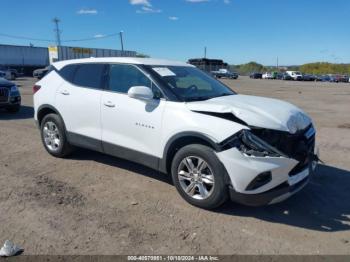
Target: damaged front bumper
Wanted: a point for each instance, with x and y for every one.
(280, 180)
(272, 196)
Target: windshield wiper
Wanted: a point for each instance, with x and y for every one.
(225, 94)
(197, 98)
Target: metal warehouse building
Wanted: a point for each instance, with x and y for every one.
(27, 58)
(208, 65)
(11, 55)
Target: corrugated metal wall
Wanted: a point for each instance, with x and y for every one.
(26, 56)
(23, 56)
(66, 53)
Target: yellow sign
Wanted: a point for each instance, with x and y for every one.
(52, 48)
(80, 50)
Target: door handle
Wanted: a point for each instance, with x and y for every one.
(65, 92)
(109, 104)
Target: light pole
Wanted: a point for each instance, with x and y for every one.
(57, 30)
(121, 40)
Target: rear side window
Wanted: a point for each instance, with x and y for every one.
(122, 77)
(67, 72)
(89, 75)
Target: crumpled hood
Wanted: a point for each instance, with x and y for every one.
(256, 111)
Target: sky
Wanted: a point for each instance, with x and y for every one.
(237, 31)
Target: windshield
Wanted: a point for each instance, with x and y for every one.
(190, 83)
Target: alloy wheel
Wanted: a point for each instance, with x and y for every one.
(196, 177)
(51, 136)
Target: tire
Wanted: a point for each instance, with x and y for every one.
(214, 172)
(13, 109)
(55, 142)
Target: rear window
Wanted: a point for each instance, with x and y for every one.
(67, 72)
(89, 75)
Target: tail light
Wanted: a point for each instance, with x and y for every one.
(36, 88)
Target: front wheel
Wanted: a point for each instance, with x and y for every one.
(199, 176)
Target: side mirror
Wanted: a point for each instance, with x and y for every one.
(141, 92)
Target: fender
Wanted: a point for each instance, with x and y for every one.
(46, 106)
(163, 163)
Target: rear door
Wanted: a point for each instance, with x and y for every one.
(78, 100)
(131, 128)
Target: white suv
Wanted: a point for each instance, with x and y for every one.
(174, 118)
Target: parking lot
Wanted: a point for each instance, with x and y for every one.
(95, 204)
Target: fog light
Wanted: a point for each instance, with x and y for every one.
(260, 180)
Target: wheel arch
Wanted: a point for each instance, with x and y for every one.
(44, 110)
(178, 141)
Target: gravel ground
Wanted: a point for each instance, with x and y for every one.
(95, 204)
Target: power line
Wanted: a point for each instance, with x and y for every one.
(25, 38)
(91, 38)
(63, 41)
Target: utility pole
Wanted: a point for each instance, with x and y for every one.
(121, 40)
(57, 30)
(277, 63)
(205, 52)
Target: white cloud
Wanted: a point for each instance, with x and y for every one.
(227, 2)
(197, 1)
(146, 7)
(140, 2)
(87, 11)
(99, 36)
(147, 10)
(173, 18)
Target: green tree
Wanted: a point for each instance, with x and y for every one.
(325, 68)
(248, 68)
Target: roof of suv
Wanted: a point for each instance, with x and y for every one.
(123, 60)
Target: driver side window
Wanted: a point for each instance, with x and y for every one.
(123, 77)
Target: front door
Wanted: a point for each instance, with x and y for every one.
(131, 128)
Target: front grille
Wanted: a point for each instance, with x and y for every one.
(4, 94)
(299, 146)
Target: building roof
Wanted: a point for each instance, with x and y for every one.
(123, 60)
(194, 60)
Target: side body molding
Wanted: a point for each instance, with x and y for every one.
(159, 164)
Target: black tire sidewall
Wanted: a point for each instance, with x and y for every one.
(13, 109)
(220, 193)
(61, 152)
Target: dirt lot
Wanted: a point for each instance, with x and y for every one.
(96, 204)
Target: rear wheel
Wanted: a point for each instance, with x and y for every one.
(53, 136)
(199, 176)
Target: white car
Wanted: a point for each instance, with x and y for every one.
(267, 76)
(174, 118)
(296, 75)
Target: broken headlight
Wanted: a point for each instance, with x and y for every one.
(297, 122)
(251, 145)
